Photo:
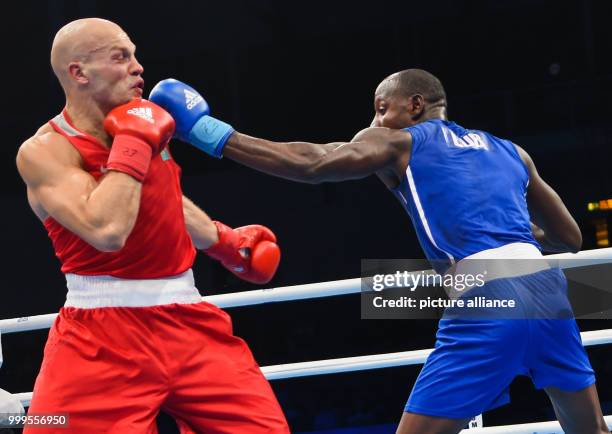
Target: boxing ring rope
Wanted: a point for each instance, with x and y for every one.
(306, 291)
(389, 360)
(374, 361)
(351, 364)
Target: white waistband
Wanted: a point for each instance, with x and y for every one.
(511, 260)
(508, 251)
(88, 292)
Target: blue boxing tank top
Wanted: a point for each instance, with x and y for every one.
(465, 192)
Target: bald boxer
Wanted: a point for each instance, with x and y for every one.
(134, 336)
(467, 193)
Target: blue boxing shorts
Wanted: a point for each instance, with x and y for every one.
(475, 359)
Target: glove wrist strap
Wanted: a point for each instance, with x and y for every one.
(226, 249)
(131, 155)
(210, 135)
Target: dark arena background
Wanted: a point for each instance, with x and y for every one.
(538, 72)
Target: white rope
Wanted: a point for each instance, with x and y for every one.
(375, 361)
(24, 397)
(526, 428)
(307, 291)
(346, 364)
(362, 363)
(27, 323)
(236, 299)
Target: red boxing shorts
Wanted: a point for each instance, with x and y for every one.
(111, 369)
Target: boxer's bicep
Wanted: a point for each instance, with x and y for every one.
(370, 151)
(353, 160)
(61, 189)
(53, 178)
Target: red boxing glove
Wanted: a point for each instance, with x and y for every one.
(250, 252)
(140, 129)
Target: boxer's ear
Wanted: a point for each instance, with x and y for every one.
(416, 105)
(76, 72)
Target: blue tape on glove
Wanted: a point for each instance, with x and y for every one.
(209, 135)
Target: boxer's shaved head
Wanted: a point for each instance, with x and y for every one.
(78, 40)
(407, 97)
(414, 81)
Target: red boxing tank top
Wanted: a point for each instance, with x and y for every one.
(159, 245)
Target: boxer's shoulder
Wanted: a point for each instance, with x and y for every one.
(46, 145)
(46, 136)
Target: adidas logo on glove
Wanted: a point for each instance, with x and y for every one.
(143, 113)
(191, 99)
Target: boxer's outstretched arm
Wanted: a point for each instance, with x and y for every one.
(370, 151)
(103, 214)
(200, 227)
(555, 228)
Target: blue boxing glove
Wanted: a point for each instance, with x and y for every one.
(191, 114)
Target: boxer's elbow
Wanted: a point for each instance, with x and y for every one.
(309, 176)
(109, 239)
(574, 241)
(109, 245)
(568, 241)
(570, 237)
(314, 174)
(319, 170)
(301, 170)
(310, 164)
